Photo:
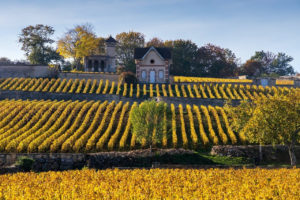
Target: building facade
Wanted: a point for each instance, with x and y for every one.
(152, 64)
(103, 63)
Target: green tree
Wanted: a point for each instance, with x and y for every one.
(148, 122)
(79, 42)
(127, 42)
(183, 57)
(273, 63)
(36, 42)
(281, 65)
(274, 120)
(214, 61)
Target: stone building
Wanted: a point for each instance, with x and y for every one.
(152, 64)
(103, 63)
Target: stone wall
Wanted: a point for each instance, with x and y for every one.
(272, 82)
(46, 162)
(279, 153)
(7, 71)
(102, 160)
(140, 158)
(71, 75)
(8, 94)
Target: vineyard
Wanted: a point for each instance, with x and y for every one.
(89, 86)
(149, 184)
(284, 82)
(188, 79)
(91, 126)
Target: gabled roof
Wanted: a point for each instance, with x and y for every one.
(111, 39)
(139, 53)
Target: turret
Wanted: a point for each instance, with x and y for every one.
(110, 45)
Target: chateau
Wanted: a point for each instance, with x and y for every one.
(103, 63)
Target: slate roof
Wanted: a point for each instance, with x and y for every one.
(140, 52)
(111, 39)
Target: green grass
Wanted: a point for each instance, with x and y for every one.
(201, 158)
(205, 158)
(228, 161)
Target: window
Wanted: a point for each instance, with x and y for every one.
(152, 76)
(144, 75)
(152, 61)
(161, 74)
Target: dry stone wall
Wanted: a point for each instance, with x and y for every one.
(101, 160)
(137, 158)
(278, 153)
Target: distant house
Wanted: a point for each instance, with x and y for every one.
(292, 77)
(103, 63)
(152, 64)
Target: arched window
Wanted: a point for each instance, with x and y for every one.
(152, 76)
(144, 75)
(161, 74)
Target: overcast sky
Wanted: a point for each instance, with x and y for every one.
(244, 26)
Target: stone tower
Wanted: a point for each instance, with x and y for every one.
(110, 47)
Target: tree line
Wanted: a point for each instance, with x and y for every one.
(188, 58)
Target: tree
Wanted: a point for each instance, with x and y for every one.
(273, 120)
(214, 61)
(252, 68)
(79, 42)
(5, 60)
(101, 46)
(273, 63)
(148, 122)
(36, 41)
(183, 57)
(156, 42)
(281, 65)
(38, 57)
(127, 42)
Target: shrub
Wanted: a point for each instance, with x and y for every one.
(53, 71)
(25, 163)
(128, 77)
(120, 69)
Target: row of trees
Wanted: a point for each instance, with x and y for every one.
(188, 59)
(213, 61)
